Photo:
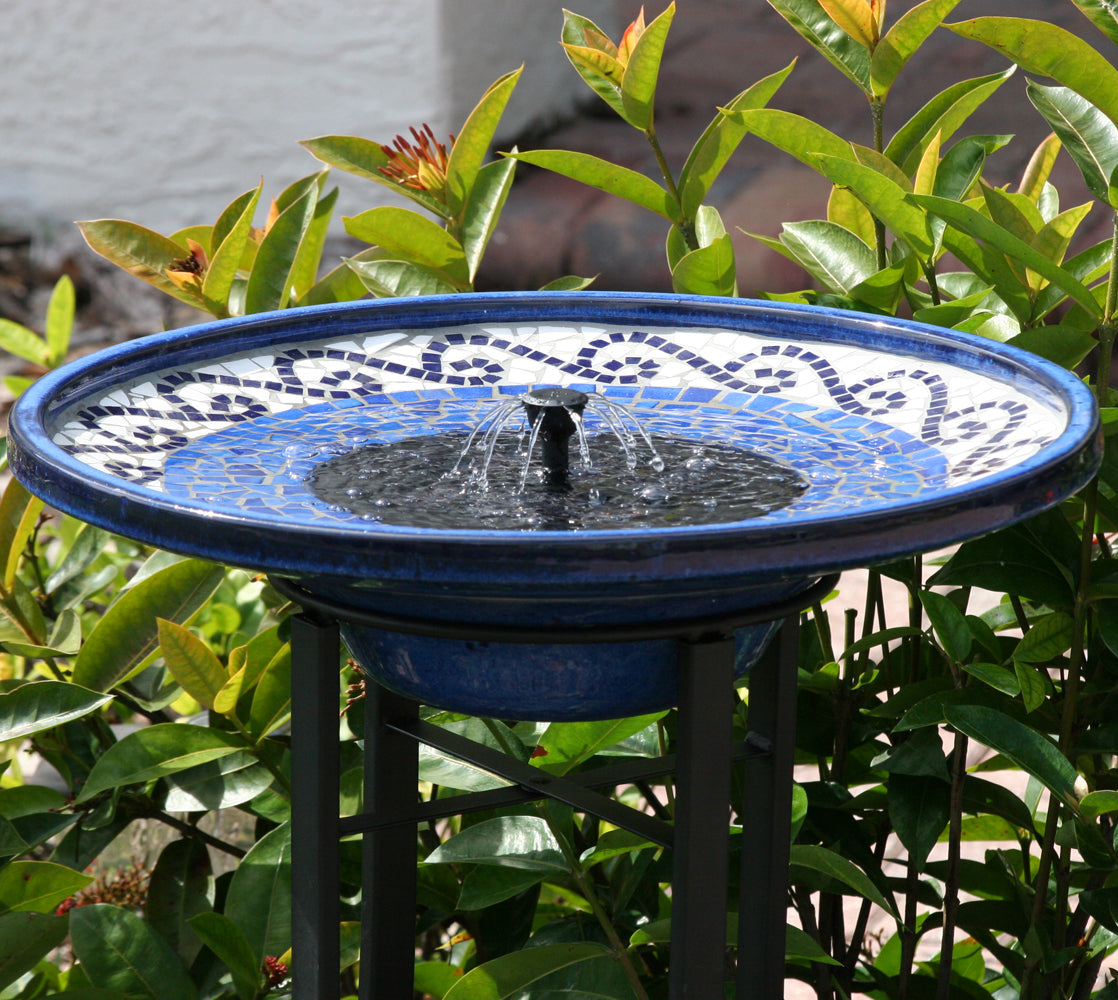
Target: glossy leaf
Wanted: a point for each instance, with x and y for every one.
(308, 257)
(127, 634)
(1087, 134)
(484, 886)
(1039, 168)
(827, 38)
(446, 770)
(482, 210)
(638, 85)
(722, 136)
(898, 44)
(508, 975)
(919, 809)
(269, 285)
(574, 41)
(385, 277)
(141, 252)
(474, 139)
(1049, 50)
(830, 253)
(271, 704)
(976, 225)
(60, 320)
(710, 270)
(218, 784)
(801, 137)
(523, 842)
(1030, 750)
(226, 940)
(19, 515)
(119, 951)
(408, 236)
(38, 886)
(341, 284)
(154, 751)
(834, 866)
(884, 198)
(246, 664)
(606, 176)
(38, 705)
(856, 18)
(1031, 683)
(181, 887)
(568, 744)
(1102, 14)
(364, 157)
(259, 900)
(950, 625)
(568, 283)
(192, 662)
(25, 939)
(943, 114)
(226, 260)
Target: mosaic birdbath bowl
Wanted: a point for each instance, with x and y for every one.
(201, 441)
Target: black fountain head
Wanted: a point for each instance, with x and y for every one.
(552, 407)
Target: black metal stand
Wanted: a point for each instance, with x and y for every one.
(699, 839)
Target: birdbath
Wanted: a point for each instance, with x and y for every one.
(214, 441)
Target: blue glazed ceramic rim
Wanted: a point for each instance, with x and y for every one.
(742, 550)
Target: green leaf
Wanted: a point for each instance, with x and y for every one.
(474, 139)
(999, 678)
(522, 842)
(37, 886)
(409, 236)
(919, 809)
(826, 862)
(192, 663)
(118, 951)
(710, 270)
(259, 900)
(128, 633)
(1049, 637)
(435, 978)
(942, 116)
(886, 199)
(1049, 50)
(387, 278)
(1086, 133)
(17, 339)
(19, 515)
(898, 44)
(341, 284)
(154, 751)
(606, 176)
(722, 136)
(446, 770)
(950, 624)
(487, 885)
(271, 704)
(483, 209)
(1030, 750)
(830, 253)
(638, 85)
(42, 704)
(26, 939)
(799, 944)
(141, 252)
(508, 975)
(1102, 14)
(976, 225)
(226, 940)
(270, 284)
(798, 136)
(1094, 804)
(60, 320)
(1031, 682)
(827, 38)
(575, 43)
(234, 228)
(1063, 345)
(181, 887)
(217, 784)
(364, 157)
(568, 283)
(568, 744)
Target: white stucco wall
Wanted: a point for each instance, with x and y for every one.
(163, 112)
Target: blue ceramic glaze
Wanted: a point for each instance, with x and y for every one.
(198, 440)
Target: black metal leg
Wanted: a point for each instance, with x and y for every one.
(703, 762)
(315, 914)
(767, 810)
(388, 854)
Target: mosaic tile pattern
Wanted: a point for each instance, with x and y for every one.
(956, 425)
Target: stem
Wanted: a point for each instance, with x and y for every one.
(908, 930)
(588, 892)
(686, 226)
(192, 831)
(877, 109)
(951, 885)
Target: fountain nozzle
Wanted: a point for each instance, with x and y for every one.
(555, 409)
